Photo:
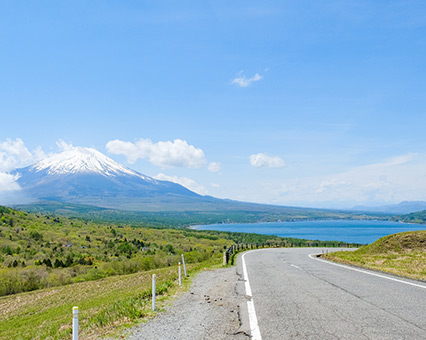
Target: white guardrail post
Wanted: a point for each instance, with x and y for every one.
(224, 258)
(180, 275)
(75, 323)
(153, 292)
(184, 267)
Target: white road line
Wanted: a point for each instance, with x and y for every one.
(313, 256)
(254, 326)
(293, 265)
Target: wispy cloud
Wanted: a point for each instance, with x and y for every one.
(186, 182)
(243, 81)
(215, 167)
(164, 154)
(64, 146)
(390, 181)
(261, 160)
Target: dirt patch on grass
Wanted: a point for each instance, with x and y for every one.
(9, 304)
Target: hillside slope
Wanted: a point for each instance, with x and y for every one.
(86, 176)
(401, 254)
(416, 217)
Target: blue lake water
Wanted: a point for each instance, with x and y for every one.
(331, 230)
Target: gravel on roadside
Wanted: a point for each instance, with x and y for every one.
(209, 310)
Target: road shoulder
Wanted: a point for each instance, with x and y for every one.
(209, 310)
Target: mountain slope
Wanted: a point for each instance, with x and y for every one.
(405, 207)
(84, 175)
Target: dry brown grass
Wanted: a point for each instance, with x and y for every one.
(401, 254)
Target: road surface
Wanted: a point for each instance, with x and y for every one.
(300, 297)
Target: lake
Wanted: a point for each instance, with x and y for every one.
(330, 230)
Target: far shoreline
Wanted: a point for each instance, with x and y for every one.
(351, 231)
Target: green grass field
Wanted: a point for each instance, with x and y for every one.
(401, 254)
(106, 306)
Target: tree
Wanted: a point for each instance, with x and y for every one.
(36, 235)
(58, 263)
(69, 261)
(48, 263)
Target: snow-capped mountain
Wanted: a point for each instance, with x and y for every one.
(82, 160)
(84, 175)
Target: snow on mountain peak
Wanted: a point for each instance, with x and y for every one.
(83, 160)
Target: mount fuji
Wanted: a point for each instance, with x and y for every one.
(86, 176)
(84, 182)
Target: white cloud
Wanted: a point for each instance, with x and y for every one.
(215, 167)
(186, 182)
(14, 154)
(261, 160)
(164, 154)
(242, 81)
(64, 146)
(8, 182)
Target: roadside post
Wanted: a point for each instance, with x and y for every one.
(75, 323)
(153, 292)
(224, 258)
(180, 275)
(184, 267)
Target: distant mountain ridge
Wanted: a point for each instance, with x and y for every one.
(405, 207)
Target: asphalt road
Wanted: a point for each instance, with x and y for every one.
(299, 297)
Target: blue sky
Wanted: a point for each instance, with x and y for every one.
(309, 103)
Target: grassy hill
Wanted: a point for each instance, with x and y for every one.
(401, 254)
(38, 251)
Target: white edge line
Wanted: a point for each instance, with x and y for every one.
(313, 256)
(254, 326)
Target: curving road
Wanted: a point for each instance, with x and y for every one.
(300, 297)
